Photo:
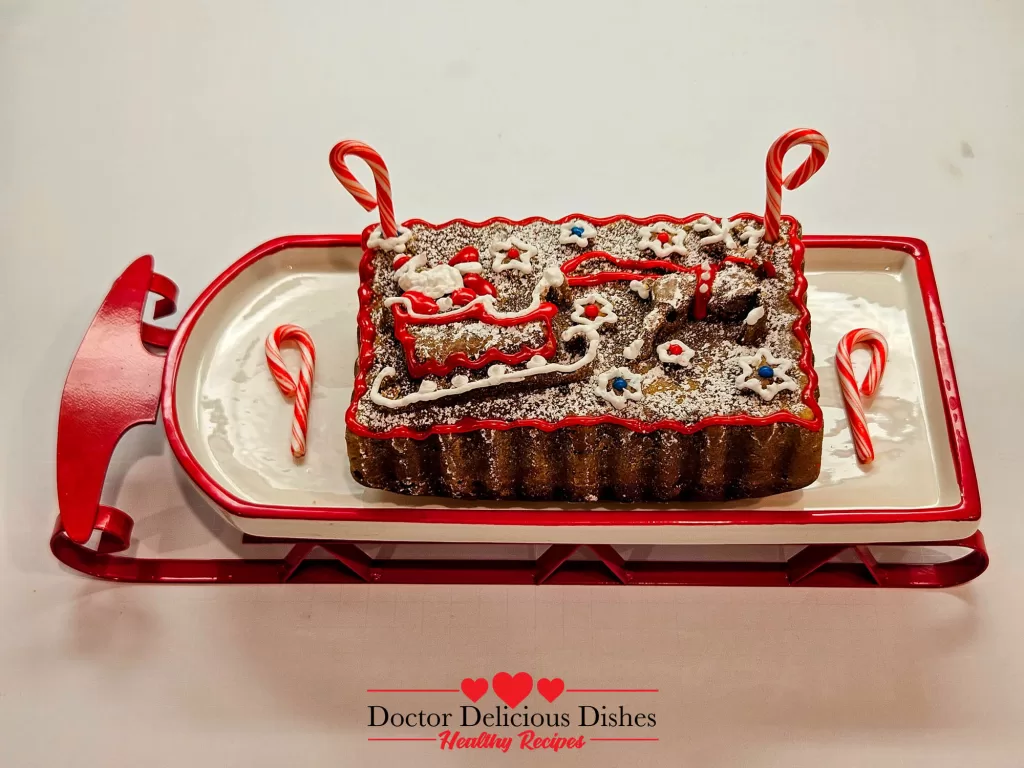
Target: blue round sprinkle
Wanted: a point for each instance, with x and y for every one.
(578, 231)
(765, 372)
(619, 384)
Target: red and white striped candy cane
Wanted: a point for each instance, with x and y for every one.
(357, 190)
(299, 388)
(773, 166)
(848, 381)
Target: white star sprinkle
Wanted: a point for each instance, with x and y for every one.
(720, 233)
(766, 387)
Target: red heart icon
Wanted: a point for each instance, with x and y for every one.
(512, 689)
(550, 689)
(474, 689)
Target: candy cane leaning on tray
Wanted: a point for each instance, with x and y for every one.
(380, 176)
(848, 382)
(773, 168)
(299, 388)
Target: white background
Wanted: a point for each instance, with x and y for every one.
(196, 131)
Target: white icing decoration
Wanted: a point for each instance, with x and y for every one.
(428, 386)
(497, 370)
(754, 315)
(632, 352)
(605, 315)
(650, 241)
(460, 380)
(551, 278)
(536, 362)
(720, 233)
(593, 341)
(444, 304)
(683, 358)
(468, 266)
(501, 262)
(566, 236)
(439, 280)
(751, 236)
(703, 288)
(749, 378)
(642, 288)
(413, 264)
(603, 388)
(389, 244)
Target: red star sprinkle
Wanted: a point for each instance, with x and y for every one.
(664, 237)
(675, 349)
(591, 311)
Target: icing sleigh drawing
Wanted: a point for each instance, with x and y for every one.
(579, 358)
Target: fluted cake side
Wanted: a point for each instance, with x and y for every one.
(603, 462)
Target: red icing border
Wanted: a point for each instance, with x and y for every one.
(368, 332)
(418, 369)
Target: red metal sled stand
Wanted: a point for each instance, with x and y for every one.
(115, 383)
(557, 555)
(813, 566)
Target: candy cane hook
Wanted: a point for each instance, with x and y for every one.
(773, 167)
(848, 382)
(358, 191)
(299, 388)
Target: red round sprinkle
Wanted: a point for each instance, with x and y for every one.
(591, 311)
(664, 237)
(513, 253)
(675, 349)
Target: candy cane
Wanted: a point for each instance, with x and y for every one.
(773, 167)
(848, 381)
(357, 190)
(300, 389)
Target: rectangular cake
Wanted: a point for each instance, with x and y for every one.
(585, 359)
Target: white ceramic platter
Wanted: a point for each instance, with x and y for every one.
(235, 423)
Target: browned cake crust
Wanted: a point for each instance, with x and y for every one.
(661, 391)
(591, 463)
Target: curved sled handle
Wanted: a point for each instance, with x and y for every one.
(113, 385)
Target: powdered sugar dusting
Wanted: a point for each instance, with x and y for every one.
(706, 387)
